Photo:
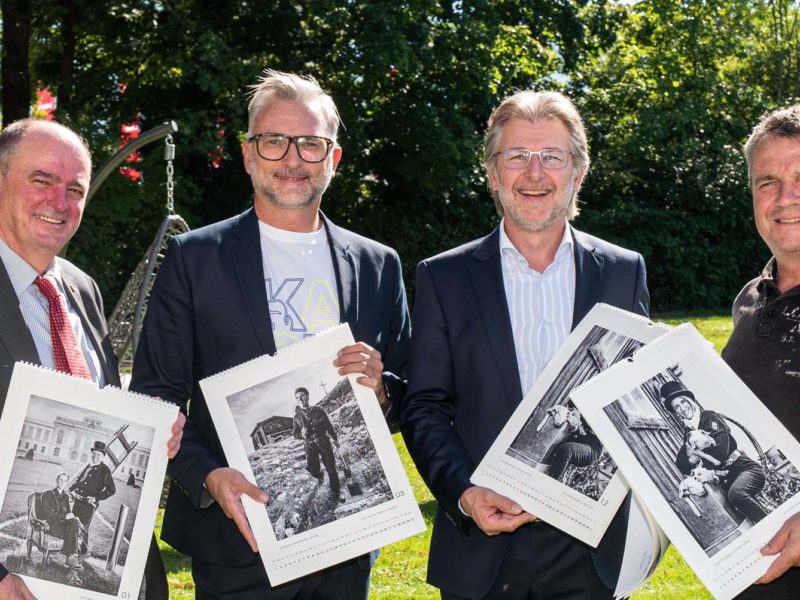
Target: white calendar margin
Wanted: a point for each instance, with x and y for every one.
(340, 540)
(32, 380)
(740, 564)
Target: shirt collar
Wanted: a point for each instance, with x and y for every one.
(768, 281)
(508, 249)
(21, 273)
(769, 272)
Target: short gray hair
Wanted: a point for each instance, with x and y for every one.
(534, 106)
(303, 89)
(784, 122)
(13, 134)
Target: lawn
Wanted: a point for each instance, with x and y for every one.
(400, 570)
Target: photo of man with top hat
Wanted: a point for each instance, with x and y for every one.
(710, 445)
(92, 485)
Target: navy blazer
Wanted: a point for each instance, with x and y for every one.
(464, 385)
(208, 312)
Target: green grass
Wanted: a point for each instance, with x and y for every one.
(400, 570)
(715, 328)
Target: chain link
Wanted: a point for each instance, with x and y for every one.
(169, 156)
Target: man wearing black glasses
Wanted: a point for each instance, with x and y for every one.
(235, 290)
(488, 317)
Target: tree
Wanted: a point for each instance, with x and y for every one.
(670, 105)
(415, 81)
(16, 95)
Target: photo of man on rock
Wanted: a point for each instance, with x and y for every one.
(312, 425)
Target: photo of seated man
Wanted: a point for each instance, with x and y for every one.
(579, 446)
(57, 512)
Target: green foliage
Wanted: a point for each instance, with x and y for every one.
(668, 90)
(415, 82)
(671, 104)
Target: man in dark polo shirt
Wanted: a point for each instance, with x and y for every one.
(764, 348)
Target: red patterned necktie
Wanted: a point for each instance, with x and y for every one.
(67, 354)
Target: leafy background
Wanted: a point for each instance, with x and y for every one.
(669, 91)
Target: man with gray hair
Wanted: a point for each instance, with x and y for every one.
(52, 312)
(763, 348)
(247, 286)
(488, 317)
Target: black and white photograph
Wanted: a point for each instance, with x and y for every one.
(73, 479)
(556, 439)
(547, 458)
(309, 448)
(70, 485)
(713, 470)
(317, 443)
(713, 465)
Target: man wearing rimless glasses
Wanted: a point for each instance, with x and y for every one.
(274, 275)
(488, 317)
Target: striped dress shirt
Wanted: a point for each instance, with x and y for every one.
(540, 305)
(36, 312)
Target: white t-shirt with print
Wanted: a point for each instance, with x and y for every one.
(300, 283)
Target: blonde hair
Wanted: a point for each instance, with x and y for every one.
(303, 89)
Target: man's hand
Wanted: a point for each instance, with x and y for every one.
(13, 588)
(786, 544)
(174, 443)
(364, 359)
(492, 512)
(227, 485)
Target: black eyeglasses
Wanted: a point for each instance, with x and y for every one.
(274, 146)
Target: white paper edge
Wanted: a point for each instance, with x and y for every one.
(27, 380)
(216, 389)
(618, 380)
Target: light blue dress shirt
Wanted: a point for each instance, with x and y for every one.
(540, 304)
(36, 312)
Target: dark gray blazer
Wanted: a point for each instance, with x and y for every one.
(16, 342)
(208, 312)
(464, 386)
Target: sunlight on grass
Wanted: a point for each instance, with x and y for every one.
(400, 570)
(716, 329)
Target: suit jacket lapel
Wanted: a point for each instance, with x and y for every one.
(588, 276)
(14, 334)
(92, 324)
(345, 269)
(486, 275)
(247, 261)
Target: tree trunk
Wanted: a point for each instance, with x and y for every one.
(16, 93)
(67, 54)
